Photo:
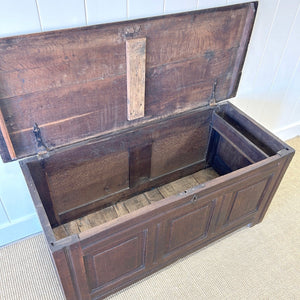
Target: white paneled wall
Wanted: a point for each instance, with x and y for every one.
(17, 214)
(269, 88)
(138, 8)
(57, 14)
(18, 17)
(103, 11)
(179, 5)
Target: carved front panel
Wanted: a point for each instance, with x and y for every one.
(113, 260)
(247, 200)
(243, 201)
(176, 151)
(83, 181)
(186, 227)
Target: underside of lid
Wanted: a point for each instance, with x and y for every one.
(61, 87)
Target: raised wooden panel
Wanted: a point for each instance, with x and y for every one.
(176, 151)
(243, 200)
(188, 227)
(247, 200)
(115, 260)
(79, 184)
(111, 264)
(140, 164)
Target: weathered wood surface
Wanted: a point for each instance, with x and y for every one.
(134, 203)
(72, 83)
(252, 152)
(6, 137)
(83, 178)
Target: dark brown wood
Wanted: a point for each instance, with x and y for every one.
(37, 170)
(97, 179)
(120, 199)
(176, 217)
(225, 157)
(139, 164)
(36, 197)
(103, 276)
(72, 83)
(240, 142)
(155, 235)
(76, 212)
(81, 179)
(134, 203)
(69, 262)
(65, 275)
(286, 157)
(3, 149)
(240, 56)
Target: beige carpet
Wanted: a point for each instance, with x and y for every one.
(262, 262)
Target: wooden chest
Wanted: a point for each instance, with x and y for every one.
(131, 159)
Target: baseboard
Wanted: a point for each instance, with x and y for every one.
(19, 229)
(288, 132)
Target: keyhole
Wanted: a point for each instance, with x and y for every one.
(194, 199)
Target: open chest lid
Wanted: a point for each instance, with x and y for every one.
(61, 87)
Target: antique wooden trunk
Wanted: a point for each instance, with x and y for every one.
(131, 158)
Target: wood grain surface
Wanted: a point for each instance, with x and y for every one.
(134, 203)
(6, 137)
(136, 69)
(73, 83)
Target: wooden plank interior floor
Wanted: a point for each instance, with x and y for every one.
(122, 208)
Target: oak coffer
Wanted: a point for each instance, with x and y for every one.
(131, 156)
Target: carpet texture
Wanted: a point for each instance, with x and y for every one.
(262, 262)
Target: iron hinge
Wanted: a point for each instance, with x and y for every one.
(40, 141)
(212, 101)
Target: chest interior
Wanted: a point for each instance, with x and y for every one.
(126, 114)
(118, 174)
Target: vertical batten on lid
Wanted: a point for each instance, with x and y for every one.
(6, 137)
(136, 65)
